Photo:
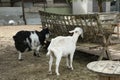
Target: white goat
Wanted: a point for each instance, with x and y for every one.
(63, 46)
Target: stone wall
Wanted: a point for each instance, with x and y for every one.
(11, 13)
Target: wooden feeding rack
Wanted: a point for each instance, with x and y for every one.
(94, 30)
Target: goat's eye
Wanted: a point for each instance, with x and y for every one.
(76, 31)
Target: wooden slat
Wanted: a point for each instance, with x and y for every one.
(117, 71)
(99, 67)
(90, 66)
(110, 67)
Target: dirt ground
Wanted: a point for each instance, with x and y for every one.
(36, 68)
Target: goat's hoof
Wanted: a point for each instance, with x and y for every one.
(34, 54)
(20, 59)
(50, 72)
(71, 69)
(38, 55)
(68, 67)
(58, 74)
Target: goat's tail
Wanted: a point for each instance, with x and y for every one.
(51, 51)
(48, 53)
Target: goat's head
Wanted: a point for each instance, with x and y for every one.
(78, 31)
(46, 32)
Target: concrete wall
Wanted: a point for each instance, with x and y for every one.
(88, 6)
(82, 6)
(10, 11)
(78, 7)
(50, 7)
(108, 6)
(31, 12)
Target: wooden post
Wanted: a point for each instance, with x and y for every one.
(45, 6)
(118, 31)
(11, 3)
(23, 11)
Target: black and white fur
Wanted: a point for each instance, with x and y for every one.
(30, 41)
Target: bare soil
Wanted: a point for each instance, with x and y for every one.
(36, 68)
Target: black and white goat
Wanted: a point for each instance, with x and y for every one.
(30, 41)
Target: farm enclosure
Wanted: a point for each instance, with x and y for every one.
(36, 68)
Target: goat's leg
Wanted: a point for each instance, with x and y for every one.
(71, 60)
(20, 56)
(36, 52)
(50, 64)
(57, 64)
(68, 61)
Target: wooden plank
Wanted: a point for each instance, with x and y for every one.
(97, 67)
(114, 50)
(90, 66)
(110, 67)
(117, 71)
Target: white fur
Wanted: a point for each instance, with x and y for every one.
(63, 46)
(35, 40)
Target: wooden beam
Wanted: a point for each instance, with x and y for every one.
(23, 11)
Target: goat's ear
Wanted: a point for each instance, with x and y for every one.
(82, 35)
(72, 31)
(45, 27)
